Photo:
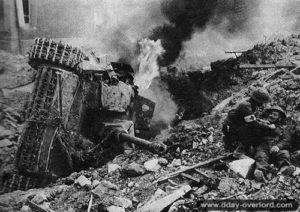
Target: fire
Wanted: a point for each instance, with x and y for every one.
(148, 67)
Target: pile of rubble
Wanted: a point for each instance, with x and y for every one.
(198, 91)
(193, 141)
(279, 51)
(10, 129)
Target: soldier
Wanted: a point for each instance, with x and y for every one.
(237, 126)
(274, 146)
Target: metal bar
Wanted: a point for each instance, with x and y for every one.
(201, 164)
(190, 177)
(69, 56)
(233, 52)
(55, 51)
(157, 147)
(48, 49)
(59, 94)
(43, 41)
(63, 54)
(262, 66)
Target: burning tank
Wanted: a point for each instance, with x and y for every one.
(82, 113)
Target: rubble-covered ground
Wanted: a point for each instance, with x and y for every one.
(129, 182)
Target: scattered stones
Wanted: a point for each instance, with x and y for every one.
(162, 203)
(176, 163)
(174, 206)
(133, 170)
(122, 202)
(130, 184)
(195, 145)
(281, 179)
(159, 192)
(109, 185)
(242, 167)
(152, 165)
(25, 208)
(83, 181)
(210, 138)
(111, 167)
(163, 161)
(95, 183)
(227, 185)
(105, 189)
(113, 208)
(296, 172)
(256, 185)
(201, 190)
(95, 175)
(39, 198)
(184, 152)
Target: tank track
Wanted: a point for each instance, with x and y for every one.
(56, 53)
(32, 161)
(38, 114)
(12, 182)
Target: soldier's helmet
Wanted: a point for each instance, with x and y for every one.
(260, 95)
(277, 109)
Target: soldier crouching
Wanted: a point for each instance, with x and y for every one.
(240, 126)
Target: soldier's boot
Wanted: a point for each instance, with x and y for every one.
(259, 176)
(287, 170)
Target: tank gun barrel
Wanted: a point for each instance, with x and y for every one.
(156, 147)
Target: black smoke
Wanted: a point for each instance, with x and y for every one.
(187, 16)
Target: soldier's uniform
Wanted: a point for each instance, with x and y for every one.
(280, 137)
(240, 127)
(235, 127)
(274, 146)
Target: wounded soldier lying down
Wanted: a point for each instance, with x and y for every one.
(274, 146)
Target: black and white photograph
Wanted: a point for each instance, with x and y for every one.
(149, 105)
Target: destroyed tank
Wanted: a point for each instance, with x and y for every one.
(82, 114)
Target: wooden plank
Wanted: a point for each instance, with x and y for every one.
(172, 182)
(201, 164)
(190, 177)
(90, 203)
(163, 202)
(201, 172)
(36, 207)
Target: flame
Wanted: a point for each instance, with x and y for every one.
(148, 67)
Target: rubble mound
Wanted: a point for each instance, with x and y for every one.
(198, 91)
(280, 51)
